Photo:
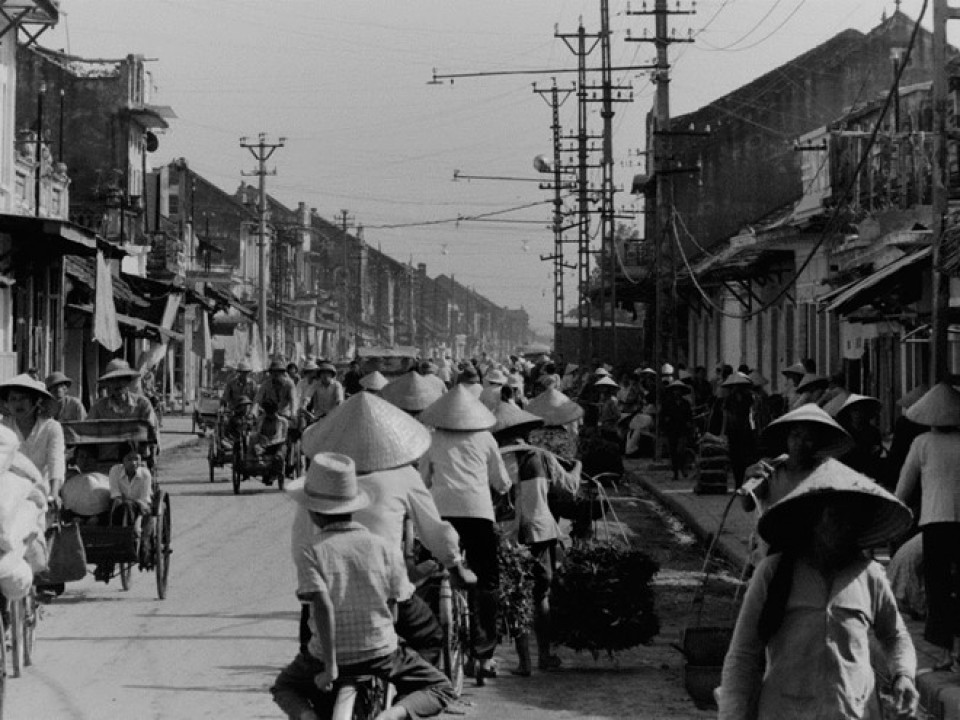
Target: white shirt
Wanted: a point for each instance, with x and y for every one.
(136, 489)
(44, 447)
(394, 495)
(460, 468)
(933, 461)
(326, 398)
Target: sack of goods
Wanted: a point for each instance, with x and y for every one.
(22, 521)
(86, 494)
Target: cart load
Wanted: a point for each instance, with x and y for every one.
(23, 508)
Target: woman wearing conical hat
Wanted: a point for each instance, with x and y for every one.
(461, 466)
(857, 415)
(801, 646)
(931, 467)
(561, 418)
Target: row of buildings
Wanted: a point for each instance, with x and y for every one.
(806, 232)
(105, 253)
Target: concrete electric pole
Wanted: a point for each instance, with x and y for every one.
(262, 150)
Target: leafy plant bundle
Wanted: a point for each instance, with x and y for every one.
(515, 595)
(602, 600)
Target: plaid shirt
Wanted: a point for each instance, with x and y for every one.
(355, 568)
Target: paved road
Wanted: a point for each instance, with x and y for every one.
(213, 647)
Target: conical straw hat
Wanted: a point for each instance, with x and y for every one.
(25, 382)
(458, 410)
(411, 392)
(884, 518)
(812, 382)
(510, 417)
(370, 430)
(836, 440)
(374, 381)
(606, 381)
(681, 386)
(864, 401)
(939, 407)
(555, 408)
(737, 378)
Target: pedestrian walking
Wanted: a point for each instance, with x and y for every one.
(931, 467)
(676, 418)
(738, 426)
(460, 468)
(801, 646)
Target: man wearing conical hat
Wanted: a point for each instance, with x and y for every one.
(384, 442)
(460, 468)
(238, 386)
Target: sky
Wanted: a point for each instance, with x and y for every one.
(346, 83)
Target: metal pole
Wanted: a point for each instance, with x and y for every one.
(262, 245)
(940, 299)
(38, 171)
(662, 123)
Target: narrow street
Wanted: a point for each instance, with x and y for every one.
(213, 647)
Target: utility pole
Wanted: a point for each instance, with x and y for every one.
(582, 50)
(940, 301)
(262, 151)
(557, 98)
(346, 222)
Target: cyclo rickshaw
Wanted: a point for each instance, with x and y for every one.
(274, 461)
(103, 444)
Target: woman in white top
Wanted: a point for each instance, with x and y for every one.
(932, 464)
(41, 437)
(461, 466)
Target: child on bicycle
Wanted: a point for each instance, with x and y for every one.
(351, 582)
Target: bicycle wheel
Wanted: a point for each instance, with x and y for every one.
(31, 617)
(361, 699)
(3, 664)
(457, 642)
(161, 547)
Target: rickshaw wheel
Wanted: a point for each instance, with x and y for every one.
(125, 569)
(161, 546)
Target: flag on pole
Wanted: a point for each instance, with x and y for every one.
(106, 331)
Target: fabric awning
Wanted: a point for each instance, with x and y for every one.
(84, 270)
(147, 328)
(860, 292)
(48, 234)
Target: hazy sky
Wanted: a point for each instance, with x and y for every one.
(346, 83)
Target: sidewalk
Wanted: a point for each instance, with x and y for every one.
(177, 431)
(939, 691)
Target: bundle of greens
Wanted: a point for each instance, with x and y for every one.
(515, 596)
(602, 600)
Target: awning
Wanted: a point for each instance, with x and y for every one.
(83, 269)
(152, 116)
(145, 327)
(862, 291)
(48, 235)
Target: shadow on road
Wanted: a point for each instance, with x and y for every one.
(276, 615)
(198, 688)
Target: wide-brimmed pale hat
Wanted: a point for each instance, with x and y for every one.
(57, 378)
(412, 392)
(798, 369)
(24, 382)
(601, 372)
(459, 410)
(939, 407)
(277, 364)
(326, 367)
(606, 381)
(836, 440)
(511, 418)
(883, 518)
(680, 386)
(118, 369)
(495, 377)
(737, 378)
(377, 435)
(308, 366)
(244, 366)
(812, 382)
(330, 486)
(375, 381)
(645, 371)
(555, 408)
(853, 400)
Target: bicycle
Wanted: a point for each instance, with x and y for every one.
(362, 697)
(454, 617)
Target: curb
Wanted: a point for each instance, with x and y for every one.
(730, 552)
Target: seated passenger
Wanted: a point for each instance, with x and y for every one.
(270, 431)
(131, 492)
